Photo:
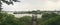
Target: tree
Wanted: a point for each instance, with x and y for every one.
(7, 2)
(49, 15)
(7, 19)
(53, 21)
(10, 20)
(48, 18)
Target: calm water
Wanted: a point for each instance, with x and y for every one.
(21, 15)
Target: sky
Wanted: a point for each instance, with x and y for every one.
(29, 5)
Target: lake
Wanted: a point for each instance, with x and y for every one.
(21, 15)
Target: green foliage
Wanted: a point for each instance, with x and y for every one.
(53, 21)
(7, 19)
(7, 2)
(11, 1)
(39, 21)
(46, 16)
(26, 20)
(47, 19)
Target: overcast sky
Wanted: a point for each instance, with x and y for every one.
(28, 5)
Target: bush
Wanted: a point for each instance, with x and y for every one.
(7, 19)
(26, 20)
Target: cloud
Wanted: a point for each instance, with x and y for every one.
(52, 5)
(54, 0)
(26, 5)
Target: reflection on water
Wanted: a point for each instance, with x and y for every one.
(21, 15)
